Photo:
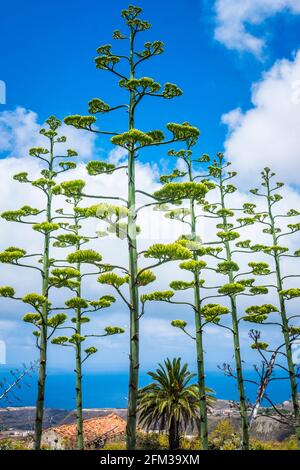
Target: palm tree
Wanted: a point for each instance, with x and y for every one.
(171, 402)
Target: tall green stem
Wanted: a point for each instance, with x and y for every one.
(236, 337)
(133, 269)
(199, 334)
(40, 402)
(78, 367)
(284, 319)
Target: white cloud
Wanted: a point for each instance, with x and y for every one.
(156, 322)
(19, 131)
(234, 19)
(268, 133)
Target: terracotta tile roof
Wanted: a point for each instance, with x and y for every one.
(94, 428)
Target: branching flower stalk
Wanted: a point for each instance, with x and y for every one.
(269, 218)
(19, 376)
(227, 233)
(19, 257)
(192, 241)
(72, 278)
(132, 140)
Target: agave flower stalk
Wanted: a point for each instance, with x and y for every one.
(132, 140)
(189, 217)
(18, 256)
(227, 234)
(270, 218)
(72, 277)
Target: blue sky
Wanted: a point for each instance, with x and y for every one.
(47, 59)
(239, 67)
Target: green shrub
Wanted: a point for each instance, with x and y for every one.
(288, 444)
(10, 444)
(115, 445)
(224, 437)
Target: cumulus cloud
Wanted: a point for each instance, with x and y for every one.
(268, 133)
(19, 131)
(169, 341)
(234, 19)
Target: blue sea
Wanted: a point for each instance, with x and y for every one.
(109, 390)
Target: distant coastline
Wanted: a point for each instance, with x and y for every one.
(109, 390)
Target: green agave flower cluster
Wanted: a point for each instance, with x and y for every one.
(168, 252)
(84, 256)
(17, 216)
(151, 48)
(80, 122)
(97, 167)
(259, 269)
(12, 254)
(129, 139)
(159, 296)
(259, 313)
(181, 324)
(112, 279)
(181, 285)
(213, 312)
(179, 191)
(7, 291)
(290, 293)
(194, 266)
(260, 345)
(98, 106)
(227, 267)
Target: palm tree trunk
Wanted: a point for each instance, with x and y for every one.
(174, 435)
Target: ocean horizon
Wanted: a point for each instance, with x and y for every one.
(109, 389)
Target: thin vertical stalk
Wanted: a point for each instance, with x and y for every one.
(284, 319)
(78, 367)
(236, 337)
(199, 334)
(133, 269)
(40, 402)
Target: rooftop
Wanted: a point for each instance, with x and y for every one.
(105, 426)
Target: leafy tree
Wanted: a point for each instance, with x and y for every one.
(171, 402)
(41, 220)
(133, 141)
(277, 253)
(70, 275)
